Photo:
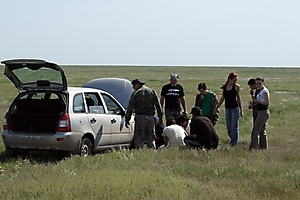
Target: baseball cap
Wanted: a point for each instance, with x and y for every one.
(196, 110)
(134, 81)
(174, 76)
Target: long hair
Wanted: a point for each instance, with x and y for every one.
(231, 76)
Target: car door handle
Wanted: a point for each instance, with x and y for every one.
(113, 121)
(93, 120)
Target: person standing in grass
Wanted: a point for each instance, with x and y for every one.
(207, 101)
(173, 94)
(143, 102)
(253, 92)
(233, 106)
(262, 101)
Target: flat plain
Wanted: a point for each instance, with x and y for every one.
(171, 173)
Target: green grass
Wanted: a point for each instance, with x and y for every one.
(171, 173)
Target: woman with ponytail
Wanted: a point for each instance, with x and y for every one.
(233, 106)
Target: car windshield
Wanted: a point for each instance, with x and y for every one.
(27, 75)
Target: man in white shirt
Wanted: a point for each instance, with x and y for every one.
(173, 134)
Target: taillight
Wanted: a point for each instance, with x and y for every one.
(5, 122)
(64, 123)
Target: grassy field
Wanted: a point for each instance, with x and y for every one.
(171, 173)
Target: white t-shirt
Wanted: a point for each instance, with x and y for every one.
(260, 95)
(175, 134)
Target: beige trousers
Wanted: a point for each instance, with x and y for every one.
(259, 135)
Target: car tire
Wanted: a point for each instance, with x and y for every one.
(86, 147)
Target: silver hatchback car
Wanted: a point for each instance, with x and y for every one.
(47, 115)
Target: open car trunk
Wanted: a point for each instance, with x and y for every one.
(36, 115)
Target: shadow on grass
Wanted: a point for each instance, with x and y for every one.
(39, 157)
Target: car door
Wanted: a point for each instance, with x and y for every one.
(120, 134)
(98, 119)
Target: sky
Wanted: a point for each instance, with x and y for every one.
(152, 32)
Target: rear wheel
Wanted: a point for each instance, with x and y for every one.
(86, 147)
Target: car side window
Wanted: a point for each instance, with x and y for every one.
(112, 106)
(94, 103)
(78, 104)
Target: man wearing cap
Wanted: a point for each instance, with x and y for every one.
(143, 102)
(173, 94)
(203, 133)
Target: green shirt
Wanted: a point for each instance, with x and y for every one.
(206, 105)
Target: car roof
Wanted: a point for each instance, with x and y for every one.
(81, 89)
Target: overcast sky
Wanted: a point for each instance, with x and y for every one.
(152, 32)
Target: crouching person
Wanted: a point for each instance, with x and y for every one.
(173, 134)
(184, 122)
(203, 133)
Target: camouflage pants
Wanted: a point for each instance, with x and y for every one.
(144, 131)
(172, 113)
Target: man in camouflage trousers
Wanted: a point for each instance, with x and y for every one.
(143, 102)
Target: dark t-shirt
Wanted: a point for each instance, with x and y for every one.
(172, 96)
(205, 131)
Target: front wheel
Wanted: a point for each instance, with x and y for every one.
(86, 147)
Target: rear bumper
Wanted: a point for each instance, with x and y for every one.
(65, 141)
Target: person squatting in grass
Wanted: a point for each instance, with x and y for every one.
(173, 94)
(183, 121)
(174, 134)
(233, 106)
(203, 133)
(262, 101)
(207, 101)
(143, 102)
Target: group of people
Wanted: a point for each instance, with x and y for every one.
(199, 132)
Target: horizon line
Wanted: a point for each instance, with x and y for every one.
(159, 65)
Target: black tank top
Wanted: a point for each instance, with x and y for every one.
(230, 97)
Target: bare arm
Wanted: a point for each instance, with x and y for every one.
(237, 88)
(162, 100)
(219, 104)
(182, 99)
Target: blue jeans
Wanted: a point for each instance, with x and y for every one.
(232, 123)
